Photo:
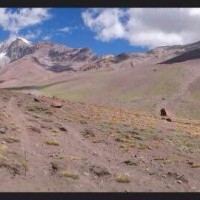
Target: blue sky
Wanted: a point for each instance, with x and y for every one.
(104, 30)
(78, 35)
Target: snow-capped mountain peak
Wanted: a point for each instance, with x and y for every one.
(24, 40)
(107, 56)
(14, 48)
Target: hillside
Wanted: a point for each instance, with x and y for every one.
(145, 88)
(49, 144)
(162, 77)
(73, 121)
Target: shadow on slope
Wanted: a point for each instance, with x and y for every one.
(55, 68)
(191, 55)
(35, 87)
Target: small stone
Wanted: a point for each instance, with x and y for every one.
(169, 186)
(63, 129)
(131, 162)
(190, 163)
(169, 119)
(2, 130)
(99, 171)
(94, 153)
(36, 99)
(179, 181)
(86, 174)
(164, 176)
(56, 105)
(54, 165)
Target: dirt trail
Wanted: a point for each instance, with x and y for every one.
(19, 119)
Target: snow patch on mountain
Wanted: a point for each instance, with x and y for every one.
(2, 55)
(24, 40)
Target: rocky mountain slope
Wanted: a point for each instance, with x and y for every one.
(59, 58)
(110, 136)
(165, 76)
(51, 56)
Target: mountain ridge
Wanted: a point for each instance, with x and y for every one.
(50, 54)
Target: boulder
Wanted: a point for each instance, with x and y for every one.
(3, 130)
(169, 119)
(56, 105)
(163, 112)
(36, 99)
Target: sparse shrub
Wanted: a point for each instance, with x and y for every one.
(2, 159)
(11, 139)
(82, 121)
(35, 129)
(24, 164)
(37, 108)
(3, 149)
(195, 166)
(52, 143)
(88, 133)
(72, 158)
(69, 175)
(14, 127)
(97, 140)
(122, 179)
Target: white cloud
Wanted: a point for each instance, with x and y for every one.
(32, 34)
(105, 22)
(22, 18)
(68, 29)
(65, 29)
(145, 26)
(47, 37)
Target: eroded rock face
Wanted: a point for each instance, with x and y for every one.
(18, 48)
(54, 57)
(59, 58)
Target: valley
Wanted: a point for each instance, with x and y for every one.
(72, 121)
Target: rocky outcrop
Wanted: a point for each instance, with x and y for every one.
(18, 48)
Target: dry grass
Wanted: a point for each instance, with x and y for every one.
(52, 143)
(122, 179)
(69, 175)
(12, 139)
(3, 149)
(24, 163)
(14, 127)
(72, 158)
(2, 159)
(195, 166)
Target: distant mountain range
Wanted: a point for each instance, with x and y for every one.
(167, 76)
(58, 58)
